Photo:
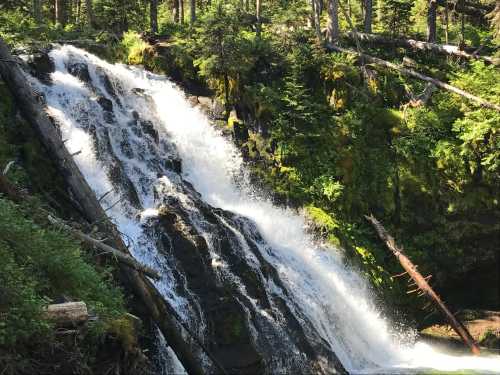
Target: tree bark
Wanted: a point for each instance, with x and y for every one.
(181, 11)
(368, 16)
(412, 73)
(175, 10)
(258, 4)
(332, 30)
(67, 314)
(89, 9)
(424, 46)
(193, 11)
(37, 11)
(316, 16)
(181, 339)
(153, 15)
(61, 12)
(422, 284)
(431, 21)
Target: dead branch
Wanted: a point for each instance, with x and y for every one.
(412, 73)
(118, 255)
(444, 49)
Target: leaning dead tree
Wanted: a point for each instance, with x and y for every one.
(444, 49)
(422, 284)
(188, 348)
(413, 73)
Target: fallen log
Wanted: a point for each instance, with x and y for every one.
(444, 49)
(67, 314)
(180, 338)
(422, 284)
(412, 73)
(108, 250)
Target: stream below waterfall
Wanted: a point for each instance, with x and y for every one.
(241, 272)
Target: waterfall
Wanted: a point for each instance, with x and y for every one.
(242, 273)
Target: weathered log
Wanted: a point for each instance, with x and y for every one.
(69, 313)
(108, 250)
(422, 284)
(183, 342)
(412, 73)
(444, 49)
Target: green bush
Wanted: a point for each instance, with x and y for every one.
(38, 266)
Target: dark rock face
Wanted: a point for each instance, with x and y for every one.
(79, 70)
(105, 103)
(240, 132)
(229, 295)
(42, 66)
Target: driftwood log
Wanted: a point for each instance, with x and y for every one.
(444, 49)
(413, 73)
(67, 314)
(422, 284)
(183, 342)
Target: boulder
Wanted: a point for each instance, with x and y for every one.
(79, 70)
(42, 66)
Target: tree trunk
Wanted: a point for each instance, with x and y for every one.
(258, 5)
(89, 9)
(412, 73)
(181, 12)
(422, 284)
(424, 46)
(153, 15)
(316, 9)
(181, 339)
(446, 23)
(431, 21)
(60, 12)
(332, 28)
(37, 11)
(193, 11)
(175, 11)
(368, 16)
(67, 314)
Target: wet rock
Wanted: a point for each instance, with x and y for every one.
(105, 103)
(240, 130)
(42, 66)
(108, 85)
(138, 91)
(149, 129)
(79, 70)
(174, 164)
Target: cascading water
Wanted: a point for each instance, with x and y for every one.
(242, 273)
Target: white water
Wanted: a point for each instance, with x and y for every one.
(335, 299)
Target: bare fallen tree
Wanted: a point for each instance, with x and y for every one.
(413, 73)
(444, 49)
(422, 284)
